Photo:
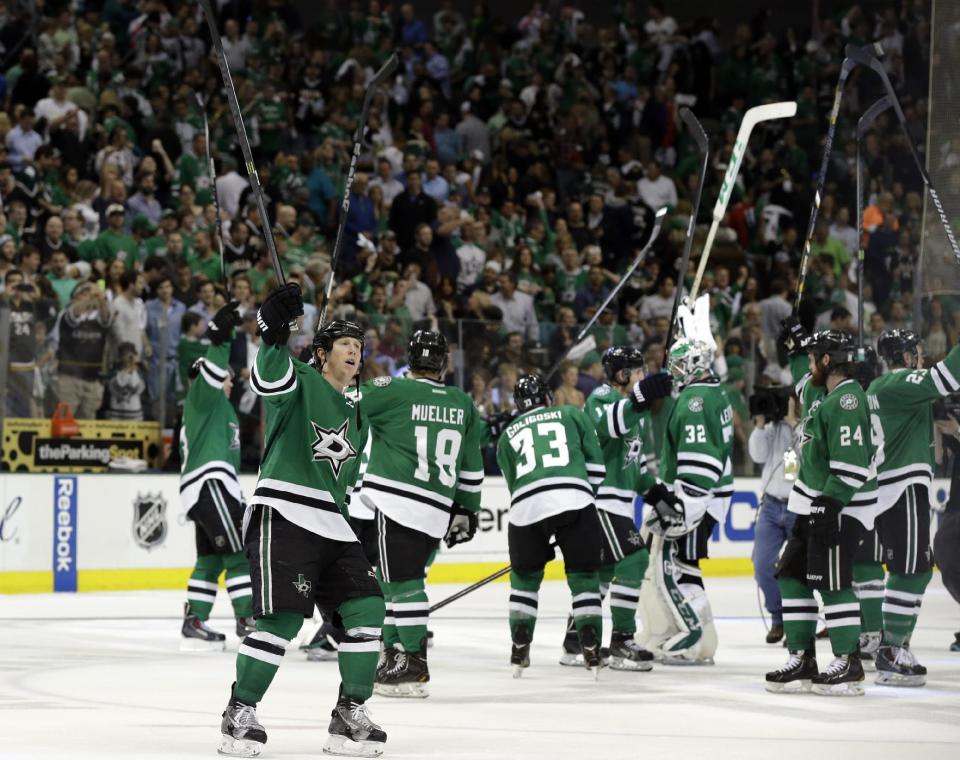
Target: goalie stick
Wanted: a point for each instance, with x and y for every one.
(211, 169)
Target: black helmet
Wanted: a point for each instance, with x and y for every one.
(838, 345)
(338, 328)
(617, 358)
(427, 351)
(530, 392)
(868, 369)
(893, 344)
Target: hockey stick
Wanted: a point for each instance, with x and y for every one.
(867, 56)
(654, 234)
(378, 79)
(863, 126)
(252, 175)
(751, 118)
(469, 589)
(211, 169)
(700, 137)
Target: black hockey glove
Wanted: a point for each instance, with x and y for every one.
(792, 335)
(220, 328)
(824, 521)
(497, 422)
(463, 526)
(667, 508)
(649, 389)
(279, 309)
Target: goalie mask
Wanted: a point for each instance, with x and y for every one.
(689, 358)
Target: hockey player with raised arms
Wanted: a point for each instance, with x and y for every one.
(835, 499)
(301, 548)
(210, 490)
(424, 478)
(552, 462)
(697, 484)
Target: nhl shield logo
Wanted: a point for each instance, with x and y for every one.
(149, 520)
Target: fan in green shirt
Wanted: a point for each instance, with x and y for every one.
(836, 250)
(271, 113)
(203, 259)
(114, 243)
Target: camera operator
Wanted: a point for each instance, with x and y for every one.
(946, 542)
(771, 445)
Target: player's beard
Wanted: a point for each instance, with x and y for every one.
(818, 376)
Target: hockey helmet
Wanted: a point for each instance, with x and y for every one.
(427, 351)
(893, 344)
(530, 392)
(617, 358)
(332, 331)
(688, 358)
(838, 345)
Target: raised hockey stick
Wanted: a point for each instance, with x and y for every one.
(700, 137)
(867, 56)
(231, 93)
(379, 78)
(863, 126)
(211, 169)
(654, 234)
(751, 118)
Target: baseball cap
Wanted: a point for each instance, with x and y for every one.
(493, 266)
(115, 208)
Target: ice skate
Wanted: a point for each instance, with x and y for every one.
(245, 625)
(571, 656)
(955, 646)
(842, 678)
(520, 654)
(407, 677)
(897, 666)
(323, 646)
(242, 734)
(590, 649)
(627, 654)
(869, 644)
(197, 636)
(795, 676)
(352, 732)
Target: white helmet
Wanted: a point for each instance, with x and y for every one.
(688, 358)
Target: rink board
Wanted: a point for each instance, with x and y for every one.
(123, 532)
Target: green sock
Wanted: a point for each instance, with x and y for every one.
(411, 611)
(585, 589)
(625, 591)
(391, 638)
(901, 605)
(605, 576)
(202, 586)
(524, 596)
(359, 651)
(238, 583)
(842, 612)
(799, 614)
(261, 653)
(868, 585)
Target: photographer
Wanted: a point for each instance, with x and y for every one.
(771, 445)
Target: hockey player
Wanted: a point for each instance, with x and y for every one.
(902, 401)
(552, 462)
(834, 497)
(210, 491)
(621, 420)
(301, 548)
(424, 478)
(697, 484)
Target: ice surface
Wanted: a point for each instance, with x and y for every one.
(99, 675)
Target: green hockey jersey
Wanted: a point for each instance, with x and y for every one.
(311, 448)
(620, 430)
(901, 407)
(552, 462)
(836, 455)
(810, 395)
(356, 506)
(210, 433)
(425, 454)
(698, 443)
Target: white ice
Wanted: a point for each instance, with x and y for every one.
(99, 675)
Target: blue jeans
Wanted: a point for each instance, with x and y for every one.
(774, 525)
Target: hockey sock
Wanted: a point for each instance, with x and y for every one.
(524, 595)
(901, 605)
(391, 639)
(842, 613)
(261, 653)
(430, 559)
(410, 612)
(868, 585)
(605, 574)
(238, 583)
(585, 588)
(625, 591)
(799, 614)
(360, 649)
(202, 586)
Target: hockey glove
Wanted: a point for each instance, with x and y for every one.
(667, 508)
(497, 422)
(220, 328)
(462, 528)
(279, 309)
(792, 335)
(649, 389)
(824, 521)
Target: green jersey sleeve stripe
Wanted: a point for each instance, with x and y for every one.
(616, 424)
(212, 374)
(285, 384)
(944, 380)
(851, 470)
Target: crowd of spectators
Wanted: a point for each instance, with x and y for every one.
(508, 175)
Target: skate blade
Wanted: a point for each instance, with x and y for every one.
(622, 663)
(239, 747)
(199, 645)
(853, 689)
(895, 679)
(518, 670)
(320, 655)
(571, 660)
(685, 661)
(341, 745)
(402, 691)
(595, 671)
(802, 686)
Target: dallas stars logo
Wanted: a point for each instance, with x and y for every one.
(634, 451)
(302, 585)
(333, 446)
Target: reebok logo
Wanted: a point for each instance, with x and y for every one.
(64, 556)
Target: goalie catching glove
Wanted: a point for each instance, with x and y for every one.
(649, 389)
(279, 309)
(463, 526)
(667, 509)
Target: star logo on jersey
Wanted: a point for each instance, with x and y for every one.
(333, 446)
(633, 537)
(382, 382)
(234, 435)
(803, 437)
(695, 404)
(849, 402)
(302, 585)
(634, 452)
